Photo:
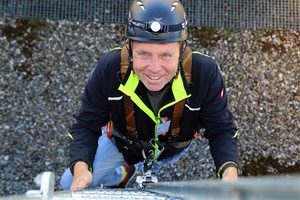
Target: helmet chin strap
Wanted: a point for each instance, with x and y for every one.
(182, 49)
(129, 48)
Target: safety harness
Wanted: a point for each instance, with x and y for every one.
(186, 63)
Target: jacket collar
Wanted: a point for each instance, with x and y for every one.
(131, 82)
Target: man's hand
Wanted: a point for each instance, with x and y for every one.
(230, 174)
(82, 177)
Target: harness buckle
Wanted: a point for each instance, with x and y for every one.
(153, 155)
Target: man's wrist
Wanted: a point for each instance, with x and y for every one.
(227, 165)
(230, 173)
(80, 164)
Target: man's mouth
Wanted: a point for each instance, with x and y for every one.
(154, 77)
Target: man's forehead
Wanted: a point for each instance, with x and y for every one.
(151, 44)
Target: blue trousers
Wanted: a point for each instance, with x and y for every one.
(107, 164)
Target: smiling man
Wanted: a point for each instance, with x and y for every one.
(145, 115)
(155, 64)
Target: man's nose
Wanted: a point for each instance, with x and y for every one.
(155, 64)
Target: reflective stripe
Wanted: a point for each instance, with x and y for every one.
(197, 52)
(192, 109)
(115, 98)
(116, 48)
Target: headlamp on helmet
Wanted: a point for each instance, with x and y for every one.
(156, 21)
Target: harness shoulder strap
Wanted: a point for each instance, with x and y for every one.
(124, 60)
(128, 104)
(187, 64)
(178, 108)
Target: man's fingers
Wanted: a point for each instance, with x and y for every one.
(81, 182)
(78, 185)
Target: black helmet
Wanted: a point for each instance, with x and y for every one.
(156, 21)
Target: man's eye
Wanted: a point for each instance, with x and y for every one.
(166, 56)
(142, 54)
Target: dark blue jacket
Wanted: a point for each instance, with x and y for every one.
(206, 108)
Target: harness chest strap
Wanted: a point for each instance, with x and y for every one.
(141, 143)
(178, 108)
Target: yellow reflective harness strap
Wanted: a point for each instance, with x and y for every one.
(237, 134)
(179, 94)
(129, 88)
(70, 135)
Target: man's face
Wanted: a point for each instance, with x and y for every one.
(155, 63)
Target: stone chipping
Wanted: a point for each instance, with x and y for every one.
(45, 64)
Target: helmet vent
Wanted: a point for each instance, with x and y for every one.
(174, 5)
(140, 3)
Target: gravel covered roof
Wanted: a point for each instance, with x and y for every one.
(45, 64)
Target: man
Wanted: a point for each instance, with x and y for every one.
(106, 147)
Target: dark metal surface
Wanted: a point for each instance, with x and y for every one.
(263, 188)
(261, 14)
(99, 194)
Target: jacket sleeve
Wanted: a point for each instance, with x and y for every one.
(93, 114)
(216, 117)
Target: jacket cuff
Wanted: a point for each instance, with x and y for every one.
(224, 166)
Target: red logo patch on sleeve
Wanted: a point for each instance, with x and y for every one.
(222, 93)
